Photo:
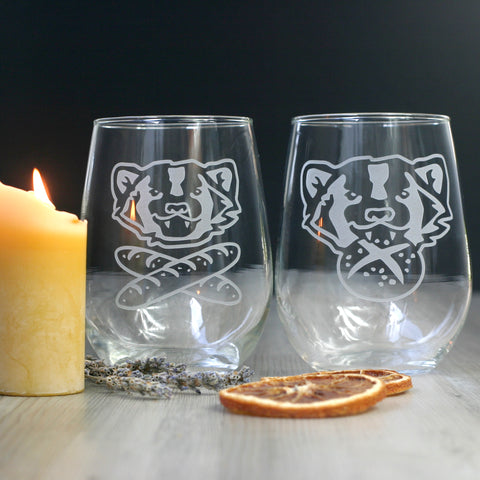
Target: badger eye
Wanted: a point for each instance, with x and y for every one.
(197, 191)
(351, 195)
(154, 192)
(404, 194)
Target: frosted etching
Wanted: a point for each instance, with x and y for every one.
(178, 209)
(378, 215)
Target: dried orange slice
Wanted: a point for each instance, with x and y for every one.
(305, 396)
(395, 382)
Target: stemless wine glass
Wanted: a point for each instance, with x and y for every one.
(373, 265)
(178, 252)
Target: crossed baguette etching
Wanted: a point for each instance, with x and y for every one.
(159, 276)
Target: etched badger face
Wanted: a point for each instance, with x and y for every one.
(176, 204)
(377, 215)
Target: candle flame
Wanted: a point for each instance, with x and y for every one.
(39, 188)
(133, 215)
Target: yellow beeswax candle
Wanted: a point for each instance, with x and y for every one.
(42, 296)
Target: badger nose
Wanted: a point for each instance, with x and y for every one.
(180, 207)
(384, 214)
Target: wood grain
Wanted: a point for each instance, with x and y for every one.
(430, 432)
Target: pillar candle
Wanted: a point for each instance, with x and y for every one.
(42, 296)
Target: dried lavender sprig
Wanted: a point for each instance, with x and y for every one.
(209, 380)
(139, 385)
(149, 366)
(157, 377)
(134, 385)
(155, 365)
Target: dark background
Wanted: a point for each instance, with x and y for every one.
(64, 65)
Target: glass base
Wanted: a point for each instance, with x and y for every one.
(225, 356)
(409, 361)
(334, 330)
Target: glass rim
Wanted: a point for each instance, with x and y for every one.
(370, 117)
(169, 121)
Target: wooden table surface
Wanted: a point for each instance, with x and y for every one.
(431, 432)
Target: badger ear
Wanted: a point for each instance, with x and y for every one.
(222, 176)
(432, 172)
(315, 177)
(123, 178)
(433, 175)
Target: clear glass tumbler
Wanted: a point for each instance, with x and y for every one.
(179, 259)
(373, 265)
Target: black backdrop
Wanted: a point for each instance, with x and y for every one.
(64, 65)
